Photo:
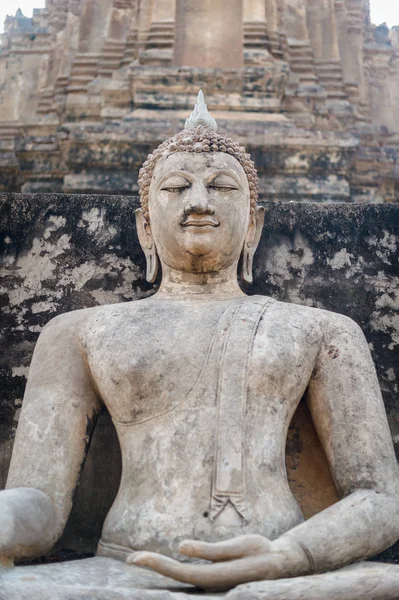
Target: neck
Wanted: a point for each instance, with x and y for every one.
(181, 283)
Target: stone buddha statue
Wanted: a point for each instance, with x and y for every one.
(201, 382)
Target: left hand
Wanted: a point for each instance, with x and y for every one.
(233, 562)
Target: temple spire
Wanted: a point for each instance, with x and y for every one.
(200, 117)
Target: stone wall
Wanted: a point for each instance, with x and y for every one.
(65, 252)
(89, 87)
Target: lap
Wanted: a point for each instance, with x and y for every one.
(108, 579)
(91, 578)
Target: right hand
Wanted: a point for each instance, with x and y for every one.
(27, 524)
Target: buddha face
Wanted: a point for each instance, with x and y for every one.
(199, 206)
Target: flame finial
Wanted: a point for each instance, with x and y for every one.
(200, 117)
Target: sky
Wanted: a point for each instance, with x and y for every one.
(381, 10)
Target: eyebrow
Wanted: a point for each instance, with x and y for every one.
(171, 174)
(211, 177)
(227, 172)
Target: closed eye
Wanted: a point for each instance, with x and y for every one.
(175, 190)
(222, 188)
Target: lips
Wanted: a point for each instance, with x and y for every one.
(200, 222)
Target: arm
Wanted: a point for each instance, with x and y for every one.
(59, 410)
(347, 408)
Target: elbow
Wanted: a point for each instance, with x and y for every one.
(378, 518)
(386, 509)
(392, 502)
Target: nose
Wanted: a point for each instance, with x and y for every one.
(198, 201)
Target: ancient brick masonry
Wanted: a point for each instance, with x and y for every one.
(311, 87)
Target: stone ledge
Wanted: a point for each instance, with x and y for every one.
(107, 579)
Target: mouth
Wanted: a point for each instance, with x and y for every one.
(200, 222)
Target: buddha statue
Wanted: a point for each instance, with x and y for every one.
(201, 382)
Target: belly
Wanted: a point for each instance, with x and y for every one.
(167, 492)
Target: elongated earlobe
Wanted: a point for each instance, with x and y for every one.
(147, 243)
(251, 244)
(247, 264)
(152, 265)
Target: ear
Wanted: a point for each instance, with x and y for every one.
(147, 243)
(251, 243)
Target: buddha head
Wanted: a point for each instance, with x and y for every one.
(199, 193)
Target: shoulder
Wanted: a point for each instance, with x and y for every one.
(289, 312)
(337, 325)
(70, 321)
(326, 323)
(75, 322)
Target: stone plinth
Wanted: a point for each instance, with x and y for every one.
(71, 580)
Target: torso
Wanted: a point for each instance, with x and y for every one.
(157, 366)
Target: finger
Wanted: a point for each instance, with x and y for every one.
(166, 566)
(246, 545)
(162, 564)
(218, 576)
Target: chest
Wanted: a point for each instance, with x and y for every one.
(146, 362)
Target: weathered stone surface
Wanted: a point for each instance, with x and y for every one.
(88, 88)
(116, 581)
(65, 252)
(113, 581)
(202, 382)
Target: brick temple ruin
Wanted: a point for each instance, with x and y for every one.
(311, 87)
